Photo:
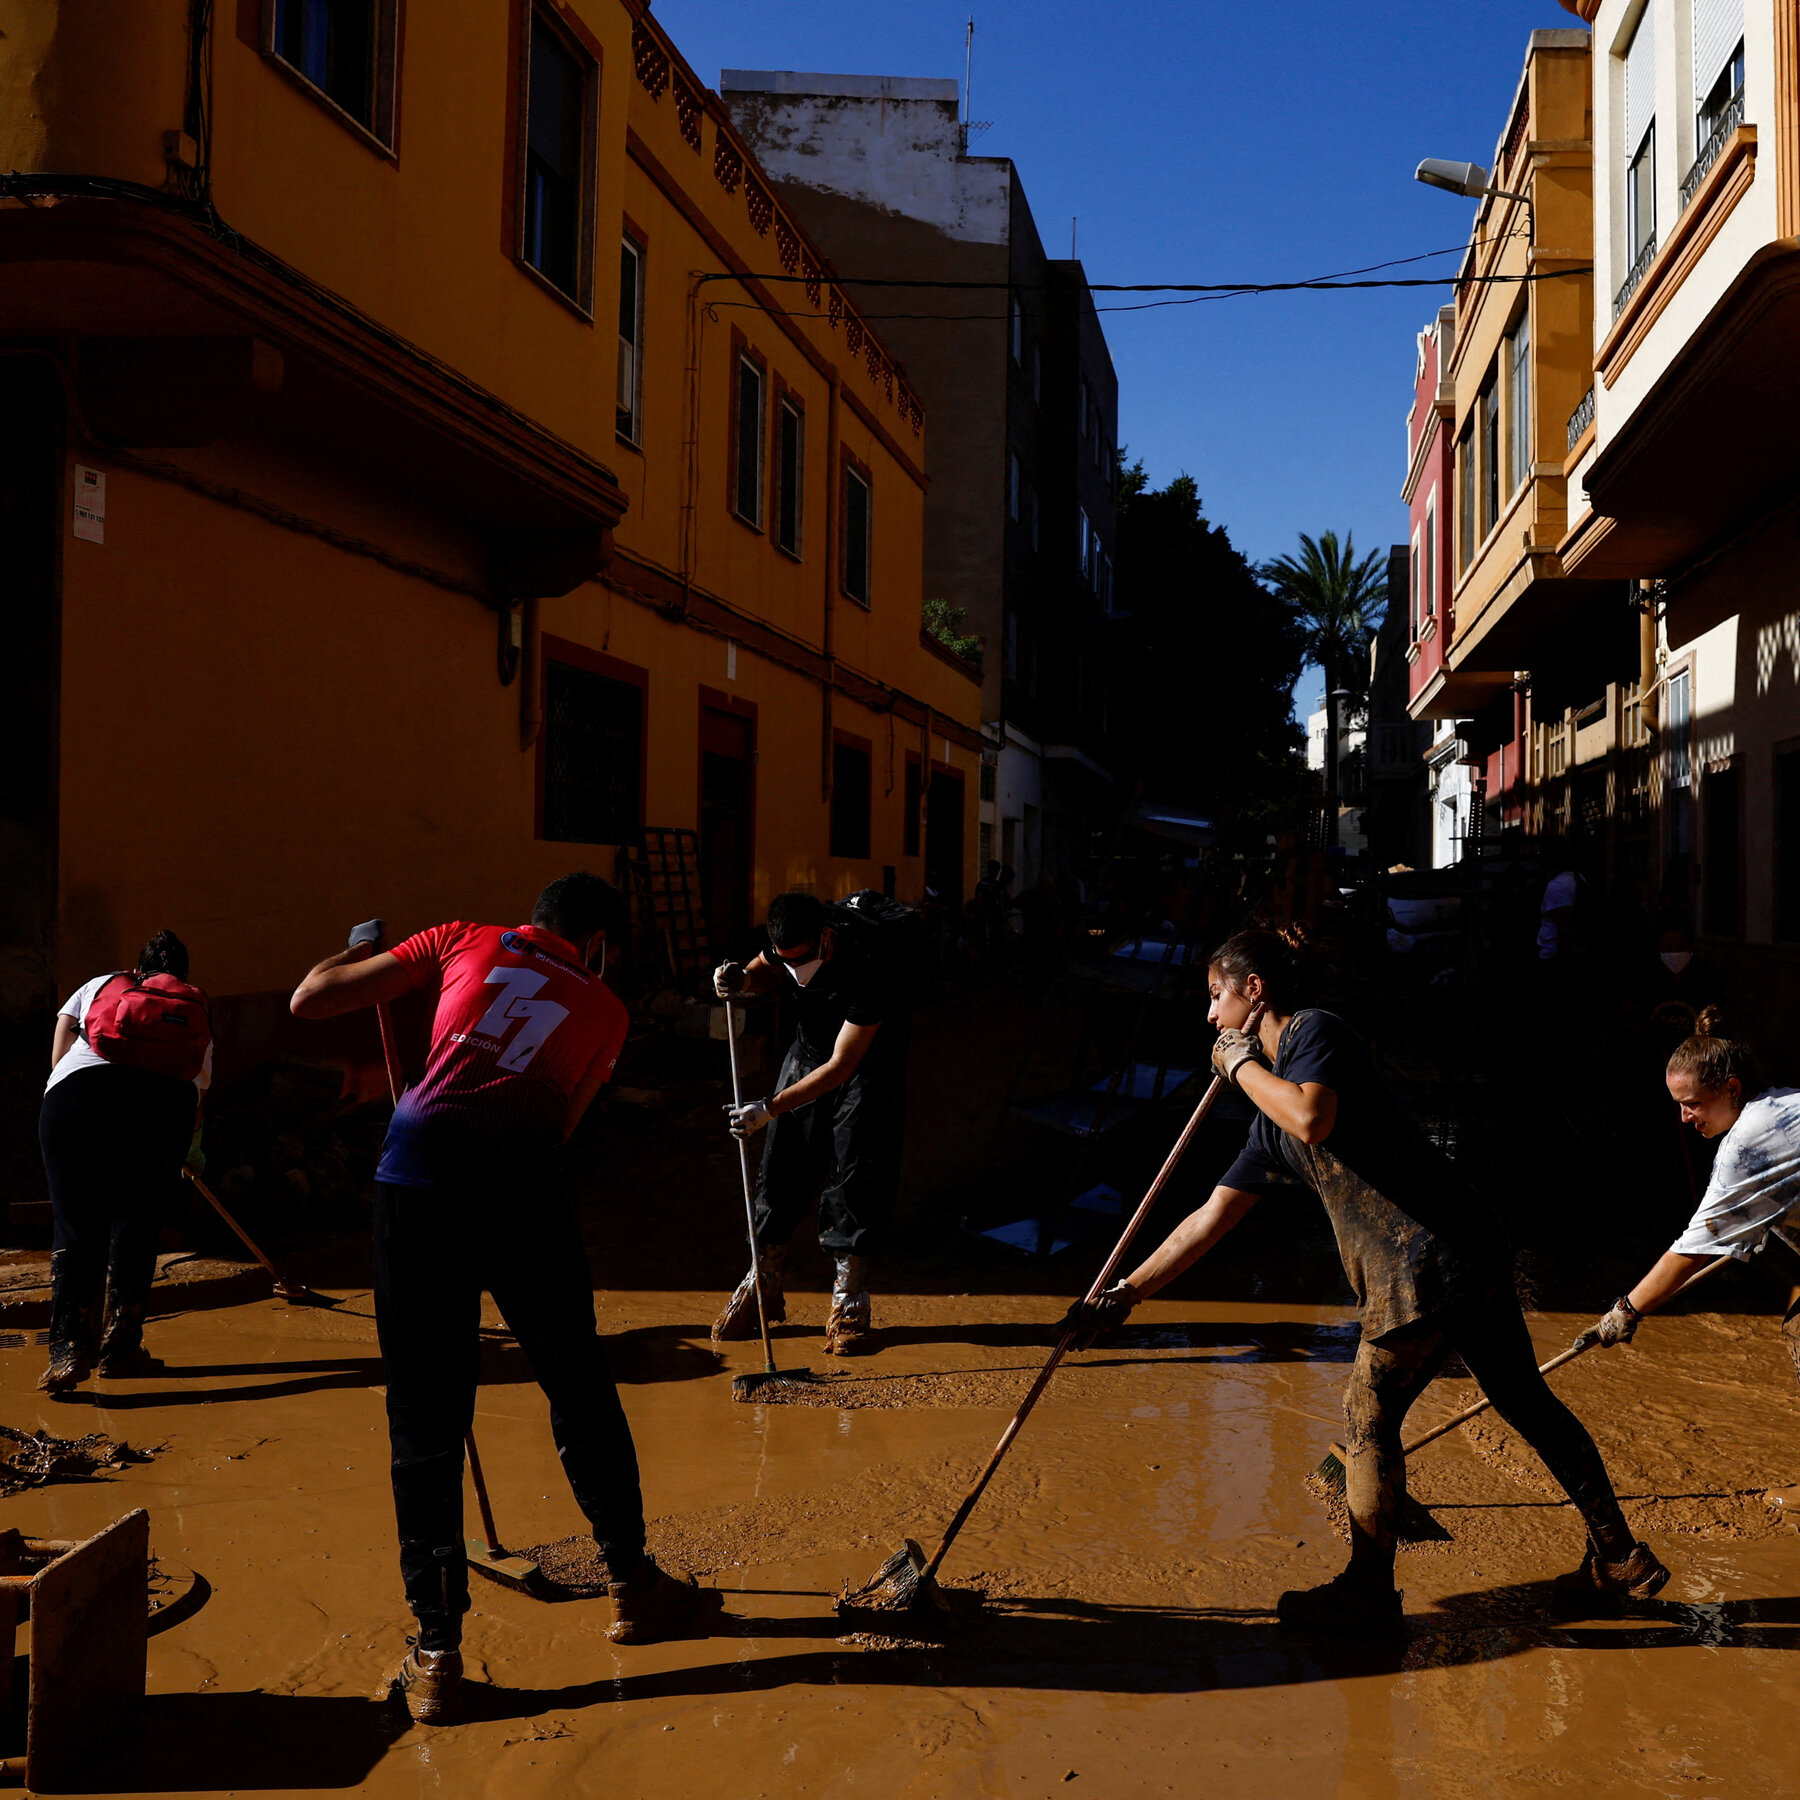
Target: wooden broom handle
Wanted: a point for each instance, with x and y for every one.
(1556, 1362)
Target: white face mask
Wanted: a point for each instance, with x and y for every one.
(804, 972)
(1676, 960)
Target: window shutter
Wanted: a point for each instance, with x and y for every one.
(1718, 26)
(1640, 83)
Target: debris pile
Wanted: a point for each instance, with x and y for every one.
(35, 1458)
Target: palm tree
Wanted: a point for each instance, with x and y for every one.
(1339, 602)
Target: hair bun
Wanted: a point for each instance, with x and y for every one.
(1709, 1022)
(1298, 937)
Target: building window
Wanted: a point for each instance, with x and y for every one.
(914, 796)
(747, 441)
(1465, 495)
(1640, 139)
(1718, 66)
(1518, 400)
(593, 756)
(1489, 403)
(852, 771)
(1087, 541)
(1416, 586)
(1018, 332)
(343, 49)
(631, 340)
(1431, 569)
(790, 472)
(1676, 726)
(1014, 480)
(857, 533)
(559, 131)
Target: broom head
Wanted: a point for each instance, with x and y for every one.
(903, 1583)
(510, 1571)
(763, 1386)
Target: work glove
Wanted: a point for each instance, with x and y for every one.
(370, 932)
(1615, 1328)
(1091, 1320)
(743, 1121)
(195, 1160)
(1232, 1050)
(728, 980)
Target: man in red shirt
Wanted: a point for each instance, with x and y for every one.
(471, 1195)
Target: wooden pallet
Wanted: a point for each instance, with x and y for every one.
(669, 898)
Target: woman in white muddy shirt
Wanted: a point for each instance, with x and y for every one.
(1754, 1193)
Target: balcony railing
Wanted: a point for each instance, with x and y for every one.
(1729, 121)
(1581, 418)
(1639, 270)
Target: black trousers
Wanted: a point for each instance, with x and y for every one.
(113, 1140)
(1391, 1372)
(511, 1231)
(849, 1142)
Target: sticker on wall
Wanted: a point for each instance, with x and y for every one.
(90, 504)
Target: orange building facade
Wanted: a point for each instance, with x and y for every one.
(431, 458)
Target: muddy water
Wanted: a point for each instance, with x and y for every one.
(1131, 1553)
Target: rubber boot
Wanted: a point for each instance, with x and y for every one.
(739, 1319)
(847, 1331)
(68, 1369)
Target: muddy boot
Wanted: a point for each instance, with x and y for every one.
(1346, 1606)
(122, 1352)
(68, 1369)
(654, 1604)
(847, 1331)
(739, 1319)
(430, 1682)
(1639, 1576)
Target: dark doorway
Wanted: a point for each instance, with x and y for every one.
(1721, 819)
(944, 836)
(727, 824)
(31, 408)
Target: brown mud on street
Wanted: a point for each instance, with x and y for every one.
(1130, 1551)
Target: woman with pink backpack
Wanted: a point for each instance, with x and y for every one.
(131, 1054)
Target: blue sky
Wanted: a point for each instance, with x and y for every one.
(1197, 141)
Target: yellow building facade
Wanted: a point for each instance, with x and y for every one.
(432, 460)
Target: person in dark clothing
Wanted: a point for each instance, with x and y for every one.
(472, 1193)
(838, 1112)
(113, 1138)
(1426, 1256)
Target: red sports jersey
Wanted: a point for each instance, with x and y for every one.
(520, 1024)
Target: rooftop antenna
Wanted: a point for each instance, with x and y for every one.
(1074, 220)
(968, 73)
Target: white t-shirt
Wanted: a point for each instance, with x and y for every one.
(1560, 893)
(82, 1055)
(1755, 1183)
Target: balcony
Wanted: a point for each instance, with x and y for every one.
(1639, 270)
(1581, 418)
(1729, 121)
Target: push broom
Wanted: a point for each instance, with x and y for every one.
(1415, 1524)
(485, 1553)
(766, 1383)
(907, 1579)
(297, 1293)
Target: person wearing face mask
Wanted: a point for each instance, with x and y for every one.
(835, 1120)
(471, 1193)
(1428, 1260)
(1751, 1207)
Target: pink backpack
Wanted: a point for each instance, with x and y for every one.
(152, 1022)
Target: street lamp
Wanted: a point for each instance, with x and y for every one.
(1333, 784)
(1469, 179)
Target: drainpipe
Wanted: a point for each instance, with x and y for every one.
(1521, 687)
(830, 560)
(1648, 698)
